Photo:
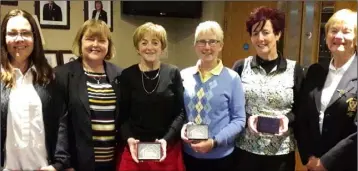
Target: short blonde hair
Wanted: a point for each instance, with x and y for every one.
(209, 27)
(96, 28)
(343, 16)
(153, 29)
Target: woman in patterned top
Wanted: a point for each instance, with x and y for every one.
(271, 85)
(90, 92)
(213, 96)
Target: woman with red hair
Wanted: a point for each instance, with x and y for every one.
(271, 84)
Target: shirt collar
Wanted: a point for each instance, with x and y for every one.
(342, 68)
(32, 68)
(281, 66)
(215, 71)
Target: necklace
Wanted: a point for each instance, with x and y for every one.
(150, 92)
(99, 78)
(93, 76)
(147, 77)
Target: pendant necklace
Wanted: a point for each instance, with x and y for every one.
(94, 77)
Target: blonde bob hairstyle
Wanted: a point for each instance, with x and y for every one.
(209, 27)
(94, 28)
(343, 16)
(155, 30)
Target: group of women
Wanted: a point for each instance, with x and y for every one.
(91, 115)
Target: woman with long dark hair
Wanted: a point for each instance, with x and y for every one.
(32, 137)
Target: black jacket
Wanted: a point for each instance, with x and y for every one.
(72, 80)
(53, 15)
(336, 146)
(56, 145)
(102, 15)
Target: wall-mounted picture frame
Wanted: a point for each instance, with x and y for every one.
(10, 3)
(101, 10)
(67, 56)
(52, 57)
(53, 14)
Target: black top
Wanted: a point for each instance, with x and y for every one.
(266, 64)
(148, 116)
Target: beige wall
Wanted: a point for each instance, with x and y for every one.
(180, 32)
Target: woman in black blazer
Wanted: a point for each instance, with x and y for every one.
(102, 14)
(32, 137)
(326, 129)
(90, 89)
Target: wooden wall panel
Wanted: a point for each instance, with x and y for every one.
(235, 35)
(352, 5)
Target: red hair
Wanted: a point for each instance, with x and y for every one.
(262, 14)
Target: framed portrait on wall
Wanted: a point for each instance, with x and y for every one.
(100, 10)
(10, 3)
(67, 56)
(53, 14)
(52, 58)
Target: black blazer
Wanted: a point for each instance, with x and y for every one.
(72, 80)
(102, 15)
(53, 15)
(337, 145)
(56, 146)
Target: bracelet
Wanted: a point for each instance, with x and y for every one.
(214, 143)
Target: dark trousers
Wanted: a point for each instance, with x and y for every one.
(222, 164)
(247, 161)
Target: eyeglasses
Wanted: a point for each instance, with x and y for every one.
(25, 35)
(211, 42)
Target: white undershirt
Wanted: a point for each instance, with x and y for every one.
(97, 15)
(25, 136)
(333, 78)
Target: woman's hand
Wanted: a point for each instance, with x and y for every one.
(203, 146)
(252, 123)
(183, 133)
(48, 168)
(163, 144)
(133, 147)
(283, 125)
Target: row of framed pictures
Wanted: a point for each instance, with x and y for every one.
(11, 3)
(59, 57)
(56, 14)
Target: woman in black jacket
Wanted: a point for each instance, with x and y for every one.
(32, 137)
(99, 13)
(90, 90)
(326, 128)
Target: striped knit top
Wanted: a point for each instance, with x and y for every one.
(102, 101)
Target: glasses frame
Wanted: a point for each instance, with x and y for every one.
(213, 42)
(21, 35)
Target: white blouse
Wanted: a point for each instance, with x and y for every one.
(25, 136)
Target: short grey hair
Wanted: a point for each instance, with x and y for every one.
(212, 27)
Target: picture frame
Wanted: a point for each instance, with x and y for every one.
(10, 3)
(53, 14)
(106, 14)
(66, 56)
(52, 57)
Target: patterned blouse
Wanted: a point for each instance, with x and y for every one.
(269, 94)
